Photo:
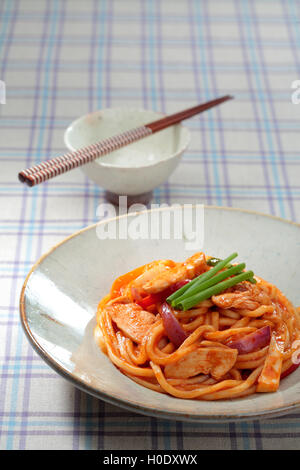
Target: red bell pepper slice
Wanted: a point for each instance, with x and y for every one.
(149, 300)
(153, 299)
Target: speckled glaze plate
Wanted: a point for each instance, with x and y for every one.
(60, 296)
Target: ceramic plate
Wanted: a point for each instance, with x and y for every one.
(60, 296)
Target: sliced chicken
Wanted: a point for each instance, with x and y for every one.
(137, 285)
(214, 361)
(244, 296)
(131, 319)
(269, 378)
(240, 300)
(159, 279)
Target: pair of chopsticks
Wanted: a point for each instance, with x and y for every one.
(57, 166)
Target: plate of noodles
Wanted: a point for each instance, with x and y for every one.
(149, 325)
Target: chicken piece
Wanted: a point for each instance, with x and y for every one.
(131, 319)
(258, 292)
(239, 300)
(155, 281)
(215, 361)
(269, 378)
(136, 286)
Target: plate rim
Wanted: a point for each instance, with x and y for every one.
(120, 402)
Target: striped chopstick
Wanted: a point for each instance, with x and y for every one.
(56, 166)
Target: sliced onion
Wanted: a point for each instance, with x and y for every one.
(178, 285)
(291, 369)
(252, 342)
(174, 330)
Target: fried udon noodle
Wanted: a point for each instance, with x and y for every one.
(207, 344)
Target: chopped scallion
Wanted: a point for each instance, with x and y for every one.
(190, 302)
(210, 282)
(203, 277)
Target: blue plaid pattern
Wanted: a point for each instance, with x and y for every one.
(62, 59)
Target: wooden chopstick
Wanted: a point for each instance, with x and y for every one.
(59, 165)
(167, 121)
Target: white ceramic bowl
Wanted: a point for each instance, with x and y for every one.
(137, 168)
(60, 296)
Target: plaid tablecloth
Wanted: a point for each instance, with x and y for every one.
(61, 59)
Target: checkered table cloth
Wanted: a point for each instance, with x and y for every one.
(62, 59)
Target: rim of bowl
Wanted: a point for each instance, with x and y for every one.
(181, 149)
(130, 405)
